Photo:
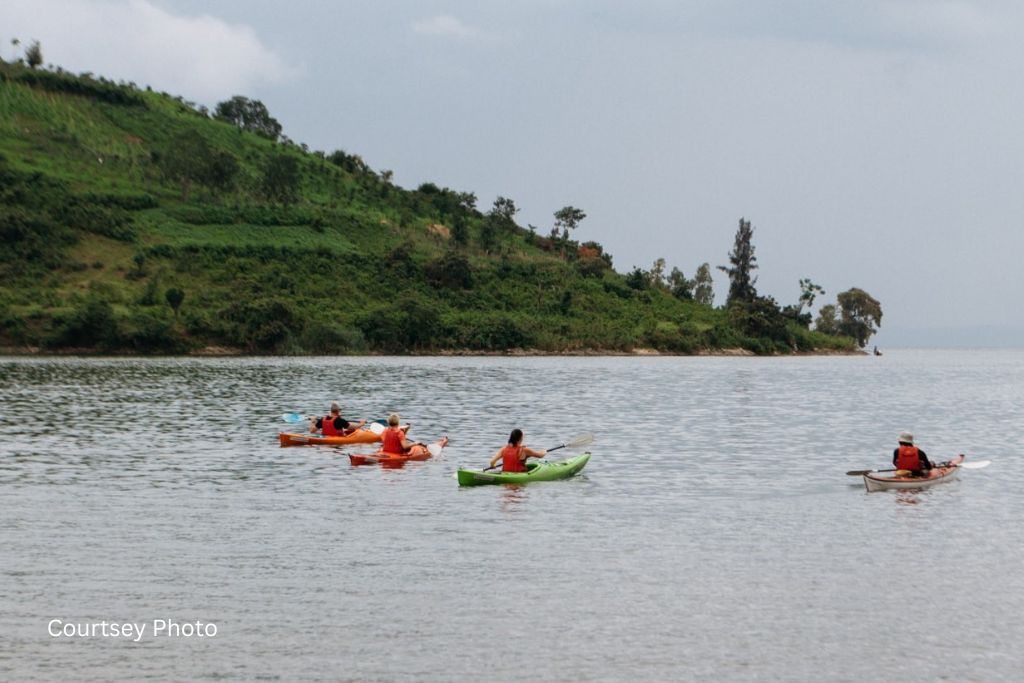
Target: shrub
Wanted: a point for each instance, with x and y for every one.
(89, 325)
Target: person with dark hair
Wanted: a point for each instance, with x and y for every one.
(909, 458)
(513, 456)
(333, 424)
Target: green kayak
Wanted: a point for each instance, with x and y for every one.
(537, 471)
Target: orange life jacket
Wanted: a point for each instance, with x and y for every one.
(511, 459)
(908, 458)
(391, 440)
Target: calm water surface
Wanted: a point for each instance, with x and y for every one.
(712, 537)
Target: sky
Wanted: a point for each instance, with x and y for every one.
(872, 143)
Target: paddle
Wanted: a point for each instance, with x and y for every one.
(376, 426)
(581, 440)
(972, 465)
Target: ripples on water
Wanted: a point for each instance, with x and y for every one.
(712, 536)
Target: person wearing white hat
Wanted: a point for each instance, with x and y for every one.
(908, 459)
(333, 424)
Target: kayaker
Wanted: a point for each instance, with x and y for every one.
(394, 439)
(513, 456)
(909, 458)
(334, 424)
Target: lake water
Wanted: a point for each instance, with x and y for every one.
(713, 536)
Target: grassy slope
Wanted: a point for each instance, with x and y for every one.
(325, 274)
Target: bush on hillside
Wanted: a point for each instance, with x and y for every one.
(91, 324)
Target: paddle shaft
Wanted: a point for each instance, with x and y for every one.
(861, 473)
(492, 467)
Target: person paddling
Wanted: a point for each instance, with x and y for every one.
(394, 439)
(513, 456)
(334, 424)
(908, 459)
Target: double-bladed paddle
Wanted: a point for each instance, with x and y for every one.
(577, 442)
(375, 426)
(971, 465)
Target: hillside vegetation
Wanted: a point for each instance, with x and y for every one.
(133, 222)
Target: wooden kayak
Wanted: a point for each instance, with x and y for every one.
(875, 481)
(536, 471)
(358, 436)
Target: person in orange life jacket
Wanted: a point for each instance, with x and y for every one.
(513, 456)
(334, 424)
(909, 457)
(393, 439)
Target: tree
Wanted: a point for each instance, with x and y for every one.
(250, 115)
(744, 263)
(567, 219)
(505, 208)
(281, 178)
(657, 273)
(826, 322)
(488, 234)
(679, 285)
(460, 231)
(860, 315)
(703, 290)
(220, 172)
(174, 298)
(191, 159)
(34, 54)
(808, 292)
(637, 279)
(467, 200)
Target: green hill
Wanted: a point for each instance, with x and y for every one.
(117, 202)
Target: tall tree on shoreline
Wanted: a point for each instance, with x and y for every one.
(703, 287)
(860, 314)
(744, 263)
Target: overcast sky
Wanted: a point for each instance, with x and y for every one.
(872, 143)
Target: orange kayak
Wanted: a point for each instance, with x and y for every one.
(417, 452)
(358, 436)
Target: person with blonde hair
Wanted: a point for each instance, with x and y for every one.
(395, 439)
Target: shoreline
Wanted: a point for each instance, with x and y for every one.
(226, 352)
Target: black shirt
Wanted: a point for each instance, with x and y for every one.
(340, 423)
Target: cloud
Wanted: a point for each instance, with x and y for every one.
(446, 25)
(200, 57)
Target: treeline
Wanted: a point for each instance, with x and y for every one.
(142, 223)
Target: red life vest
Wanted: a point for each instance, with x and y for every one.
(908, 458)
(391, 440)
(327, 426)
(511, 459)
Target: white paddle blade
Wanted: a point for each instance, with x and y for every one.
(581, 440)
(975, 464)
(376, 427)
(293, 418)
(435, 449)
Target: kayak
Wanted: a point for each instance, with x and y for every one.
(358, 436)
(536, 471)
(393, 460)
(389, 459)
(875, 481)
